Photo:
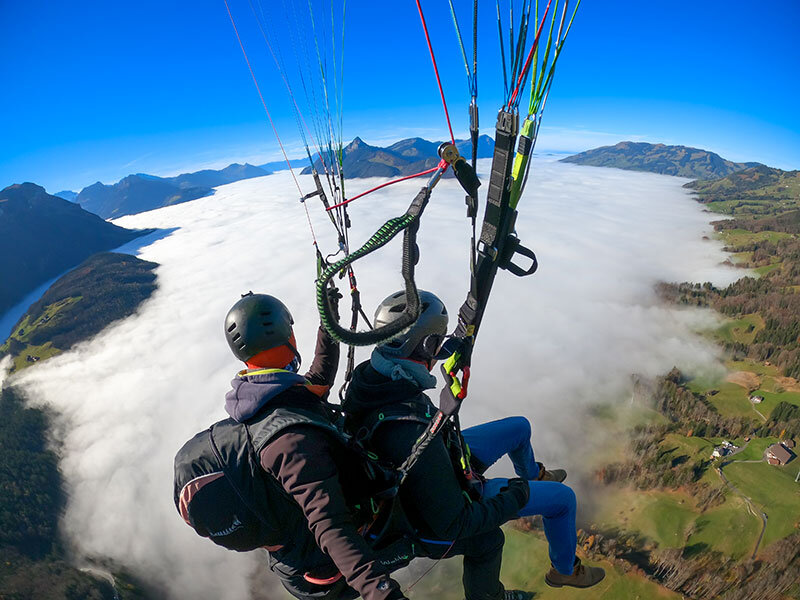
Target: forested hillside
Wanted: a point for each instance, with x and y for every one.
(104, 288)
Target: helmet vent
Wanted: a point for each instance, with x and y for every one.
(236, 337)
(266, 314)
(397, 308)
(232, 327)
(267, 323)
(398, 294)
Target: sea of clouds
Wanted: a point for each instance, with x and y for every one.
(551, 345)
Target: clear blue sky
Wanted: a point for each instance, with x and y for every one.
(96, 90)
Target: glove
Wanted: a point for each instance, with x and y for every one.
(334, 295)
(519, 489)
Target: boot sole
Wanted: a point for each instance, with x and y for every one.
(581, 587)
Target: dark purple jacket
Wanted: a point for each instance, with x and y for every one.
(315, 468)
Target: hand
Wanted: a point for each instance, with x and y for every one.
(334, 295)
(518, 488)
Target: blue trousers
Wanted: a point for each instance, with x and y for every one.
(554, 501)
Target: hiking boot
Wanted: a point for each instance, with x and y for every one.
(558, 475)
(582, 576)
(517, 595)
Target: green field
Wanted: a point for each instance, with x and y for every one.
(751, 365)
(742, 330)
(729, 528)
(774, 490)
(689, 446)
(772, 399)
(732, 400)
(754, 451)
(768, 268)
(23, 332)
(662, 517)
(740, 237)
(525, 563)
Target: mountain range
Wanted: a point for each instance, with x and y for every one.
(141, 192)
(42, 235)
(680, 161)
(405, 157)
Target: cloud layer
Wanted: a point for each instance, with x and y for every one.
(550, 344)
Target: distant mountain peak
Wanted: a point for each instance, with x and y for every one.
(405, 157)
(27, 188)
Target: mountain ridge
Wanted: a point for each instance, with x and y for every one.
(679, 161)
(141, 192)
(43, 235)
(405, 157)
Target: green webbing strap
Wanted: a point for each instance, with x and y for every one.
(409, 223)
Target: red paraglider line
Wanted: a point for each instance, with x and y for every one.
(269, 116)
(436, 70)
(530, 56)
(383, 185)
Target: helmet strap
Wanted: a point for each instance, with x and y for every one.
(297, 356)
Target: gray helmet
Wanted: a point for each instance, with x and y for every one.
(424, 336)
(256, 323)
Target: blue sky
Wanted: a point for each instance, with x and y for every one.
(96, 90)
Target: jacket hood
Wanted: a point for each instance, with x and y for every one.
(250, 393)
(369, 390)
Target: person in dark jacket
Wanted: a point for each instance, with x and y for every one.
(309, 463)
(396, 376)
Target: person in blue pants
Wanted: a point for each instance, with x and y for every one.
(384, 403)
(550, 498)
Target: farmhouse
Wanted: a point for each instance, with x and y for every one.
(756, 399)
(778, 454)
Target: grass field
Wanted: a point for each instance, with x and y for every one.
(739, 237)
(35, 352)
(754, 451)
(772, 399)
(663, 517)
(773, 488)
(732, 400)
(525, 562)
(754, 366)
(768, 268)
(728, 528)
(741, 330)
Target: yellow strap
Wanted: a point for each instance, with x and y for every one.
(319, 390)
(263, 372)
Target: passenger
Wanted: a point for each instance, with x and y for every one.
(391, 385)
